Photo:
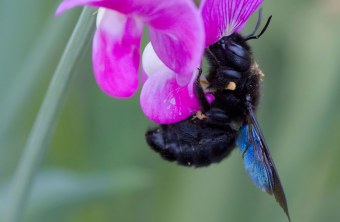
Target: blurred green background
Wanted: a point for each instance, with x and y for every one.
(98, 166)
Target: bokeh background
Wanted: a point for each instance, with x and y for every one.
(98, 166)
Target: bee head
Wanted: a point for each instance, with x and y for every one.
(229, 59)
(231, 51)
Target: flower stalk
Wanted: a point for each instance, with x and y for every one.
(47, 117)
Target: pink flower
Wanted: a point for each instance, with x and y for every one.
(224, 17)
(175, 30)
(162, 99)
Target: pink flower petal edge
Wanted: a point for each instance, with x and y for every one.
(117, 5)
(116, 54)
(165, 102)
(175, 26)
(222, 17)
(162, 99)
(177, 37)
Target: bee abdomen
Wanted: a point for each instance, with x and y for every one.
(200, 148)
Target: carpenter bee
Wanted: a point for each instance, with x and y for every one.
(234, 79)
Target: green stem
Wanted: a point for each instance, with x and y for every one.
(45, 122)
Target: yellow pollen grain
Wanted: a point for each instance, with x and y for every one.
(199, 115)
(231, 86)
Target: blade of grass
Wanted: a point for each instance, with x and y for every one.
(45, 122)
(18, 95)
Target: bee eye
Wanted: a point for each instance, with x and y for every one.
(237, 50)
(223, 45)
(238, 56)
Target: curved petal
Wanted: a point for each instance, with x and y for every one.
(117, 5)
(165, 102)
(144, 76)
(177, 35)
(151, 62)
(176, 28)
(116, 54)
(224, 17)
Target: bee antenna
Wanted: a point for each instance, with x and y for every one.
(261, 33)
(258, 23)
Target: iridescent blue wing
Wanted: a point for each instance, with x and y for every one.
(258, 162)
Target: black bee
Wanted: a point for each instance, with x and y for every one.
(234, 79)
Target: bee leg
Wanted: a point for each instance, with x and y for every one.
(204, 104)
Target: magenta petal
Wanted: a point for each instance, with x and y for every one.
(116, 54)
(151, 62)
(118, 5)
(177, 35)
(144, 76)
(68, 4)
(176, 28)
(164, 101)
(224, 17)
